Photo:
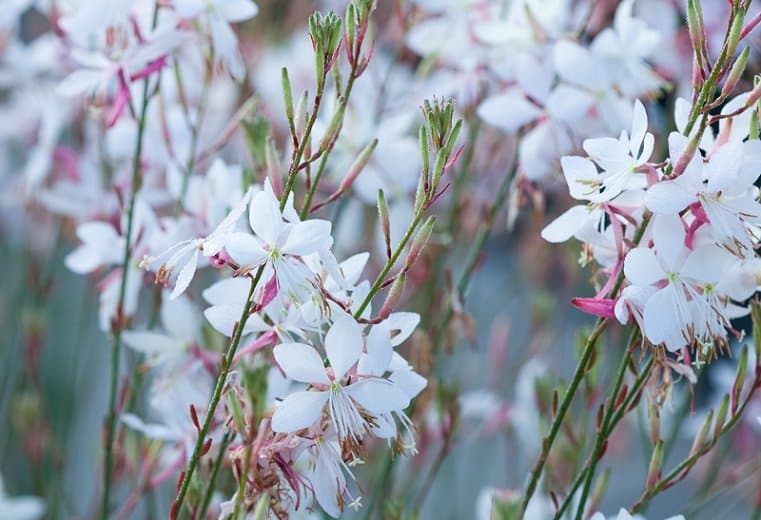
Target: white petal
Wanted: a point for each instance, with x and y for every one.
(668, 236)
(343, 343)
(301, 363)
(508, 111)
(378, 395)
(668, 197)
(236, 10)
(299, 410)
(566, 225)
(265, 218)
(185, 276)
(244, 249)
(83, 260)
(307, 237)
(378, 345)
(661, 319)
(641, 267)
(639, 127)
(706, 264)
(151, 342)
(402, 325)
(227, 291)
(579, 172)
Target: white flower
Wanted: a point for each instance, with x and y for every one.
(352, 403)
(685, 307)
(280, 242)
(723, 187)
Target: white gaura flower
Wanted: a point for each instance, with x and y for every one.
(220, 14)
(20, 507)
(723, 187)
(185, 255)
(352, 403)
(685, 305)
(620, 160)
(280, 241)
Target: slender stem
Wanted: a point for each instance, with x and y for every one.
(119, 322)
(615, 419)
(228, 436)
(602, 434)
(217, 394)
(578, 375)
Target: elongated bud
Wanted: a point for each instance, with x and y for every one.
(350, 19)
(754, 96)
(206, 447)
(654, 422)
(721, 416)
(421, 239)
(755, 313)
(737, 387)
(736, 72)
(438, 169)
(656, 463)
(420, 194)
(394, 294)
(287, 94)
(697, 29)
(385, 221)
(700, 438)
(194, 418)
(301, 113)
(452, 139)
(335, 125)
(734, 33)
(234, 406)
(554, 402)
(424, 155)
(755, 122)
(272, 167)
(358, 165)
(687, 154)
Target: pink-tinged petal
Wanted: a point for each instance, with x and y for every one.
(706, 264)
(402, 325)
(641, 267)
(603, 307)
(308, 237)
(668, 198)
(268, 293)
(610, 153)
(120, 102)
(298, 410)
(668, 236)
(185, 276)
(301, 363)
(244, 249)
(378, 345)
(378, 395)
(566, 225)
(265, 218)
(343, 343)
(508, 111)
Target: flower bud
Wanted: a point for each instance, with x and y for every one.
(421, 239)
(656, 463)
(734, 34)
(654, 423)
(334, 127)
(737, 387)
(697, 29)
(394, 294)
(700, 438)
(287, 94)
(385, 221)
(358, 165)
(721, 416)
(736, 72)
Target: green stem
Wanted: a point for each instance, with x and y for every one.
(578, 375)
(228, 436)
(119, 325)
(602, 434)
(217, 394)
(614, 420)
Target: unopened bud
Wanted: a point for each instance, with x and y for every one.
(737, 387)
(424, 155)
(334, 127)
(287, 94)
(687, 154)
(696, 28)
(351, 25)
(394, 294)
(734, 33)
(721, 416)
(300, 118)
(700, 438)
(385, 221)
(736, 72)
(358, 165)
(654, 421)
(656, 463)
(420, 241)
